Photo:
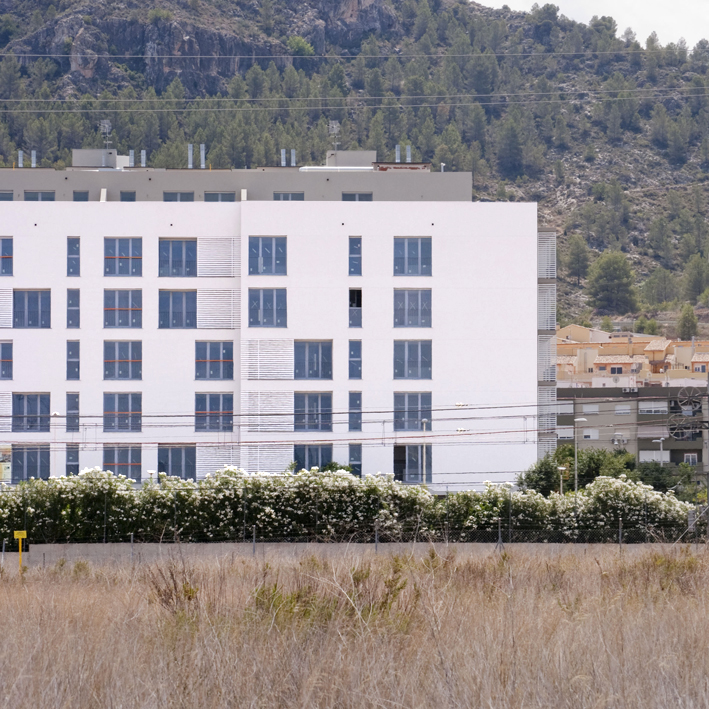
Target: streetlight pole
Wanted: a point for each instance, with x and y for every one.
(561, 469)
(576, 455)
(659, 440)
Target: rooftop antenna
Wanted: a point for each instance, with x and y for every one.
(408, 153)
(202, 156)
(20, 158)
(34, 158)
(334, 130)
(105, 128)
(189, 156)
(398, 154)
(131, 158)
(292, 157)
(283, 157)
(142, 158)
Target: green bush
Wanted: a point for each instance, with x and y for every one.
(157, 14)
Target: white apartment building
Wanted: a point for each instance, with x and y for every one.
(365, 314)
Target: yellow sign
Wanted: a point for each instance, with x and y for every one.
(21, 535)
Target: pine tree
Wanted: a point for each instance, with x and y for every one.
(687, 323)
(577, 259)
(610, 283)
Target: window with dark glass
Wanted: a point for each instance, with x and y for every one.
(220, 197)
(73, 363)
(355, 265)
(355, 307)
(412, 308)
(72, 458)
(356, 459)
(268, 307)
(289, 196)
(178, 257)
(6, 196)
(122, 412)
(123, 308)
(411, 409)
(355, 361)
(127, 196)
(73, 308)
(73, 256)
(6, 256)
(32, 309)
(356, 196)
(30, 462)
(267, 255)
(81, 196)
(178, 309)
(412, 359)
(39, 196)
(178, 461)
(178, 196)
(355, 412)
(72, 412)
(214, 360)
(30, 412)
(123, 460)
(312, 360)
(412, 256)
(123, 257)
(214, 412)
(307, 457)
(5, 360)
(409, 464)
(313, 411)
(122, 360)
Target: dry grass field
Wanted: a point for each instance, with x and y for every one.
(594, 628)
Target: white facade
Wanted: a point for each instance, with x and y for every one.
(484, 331)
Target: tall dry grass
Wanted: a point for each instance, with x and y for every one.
(588, 629)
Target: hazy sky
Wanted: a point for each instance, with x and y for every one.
(671, 19)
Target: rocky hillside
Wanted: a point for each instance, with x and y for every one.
(609, 132)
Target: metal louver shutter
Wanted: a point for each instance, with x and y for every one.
(267, 410)
(546, 358)
(6, 307)
(546, 254)
(546, 420)
(218, 309)
(5, 411)
(218, 257)
(267, 458)
(546, 307)
(212, 458)
(267, 359)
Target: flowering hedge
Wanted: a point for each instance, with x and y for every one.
(226, 506)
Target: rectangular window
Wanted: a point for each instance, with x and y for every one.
(73, 360)
(81, 196)
(123, 257)
(39, 196)
(6, 257)
(123, 460)
(73, 308)
(178, 196)
(122, 360)
(565, 433)
(590, 434)
(123, 308)
(355, 266)
(622, 409)
(214, 412)
(312, 360)
(178, 258)
(178, 309)
(30, 462)
(589, 408)
(30, 412)
(616, 370)
(355, 307)
(267, 255)
(73, 256)
(356, 196)
(127, 196)
(289, 196)
(412, 359)
(122, 412)
(565, 408)
(307, 457)
(412, 308)
(313, 412)
(355, 361)
(412, 256)
(6, 196)
(653, 407)
(220, 197)
(179, 462)
(356, 459)
(691, 458)
(409, 464)
(411, 410)
(5, 360)
(32, 309)
(268, 307)
(72, 413)
(72, 458)
(214, 360)
(355, 412)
